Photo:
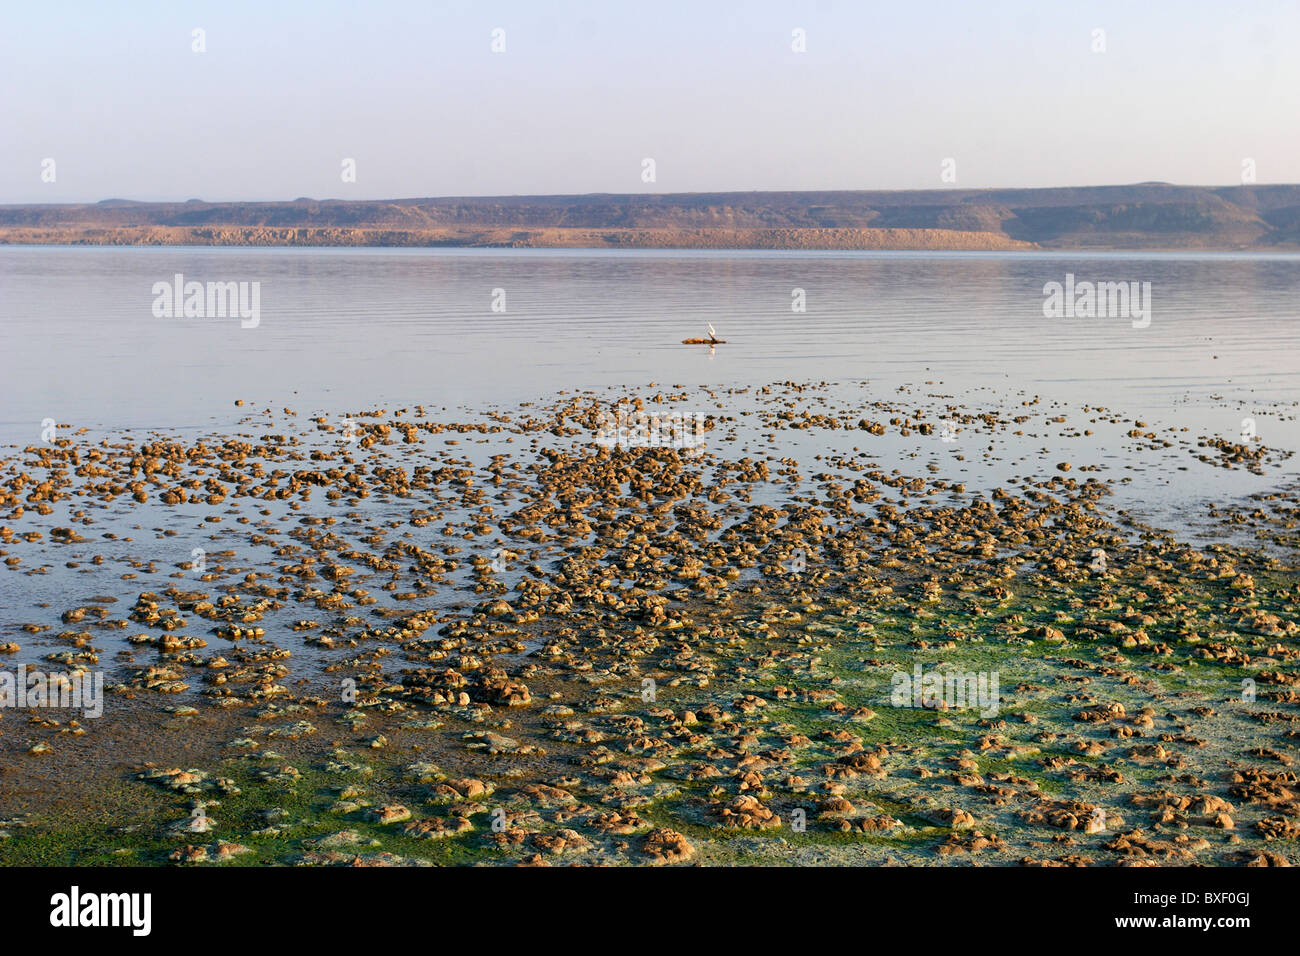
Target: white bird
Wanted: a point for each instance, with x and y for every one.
(712, 334)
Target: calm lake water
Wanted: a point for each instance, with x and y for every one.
(345, 329)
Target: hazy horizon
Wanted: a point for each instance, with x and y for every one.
(683, 192)
(936, 96)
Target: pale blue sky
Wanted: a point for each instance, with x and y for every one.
(585, 90)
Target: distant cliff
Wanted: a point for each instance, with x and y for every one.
(1143, 216)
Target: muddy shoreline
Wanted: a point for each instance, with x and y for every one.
(518, 639)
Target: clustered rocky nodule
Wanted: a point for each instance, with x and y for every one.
(578, 652)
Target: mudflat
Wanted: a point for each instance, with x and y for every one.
(388, 637)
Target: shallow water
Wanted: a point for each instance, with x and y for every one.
(348, 329)
(913, 341)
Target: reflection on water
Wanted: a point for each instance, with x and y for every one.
(931, 337)
(346, 329)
